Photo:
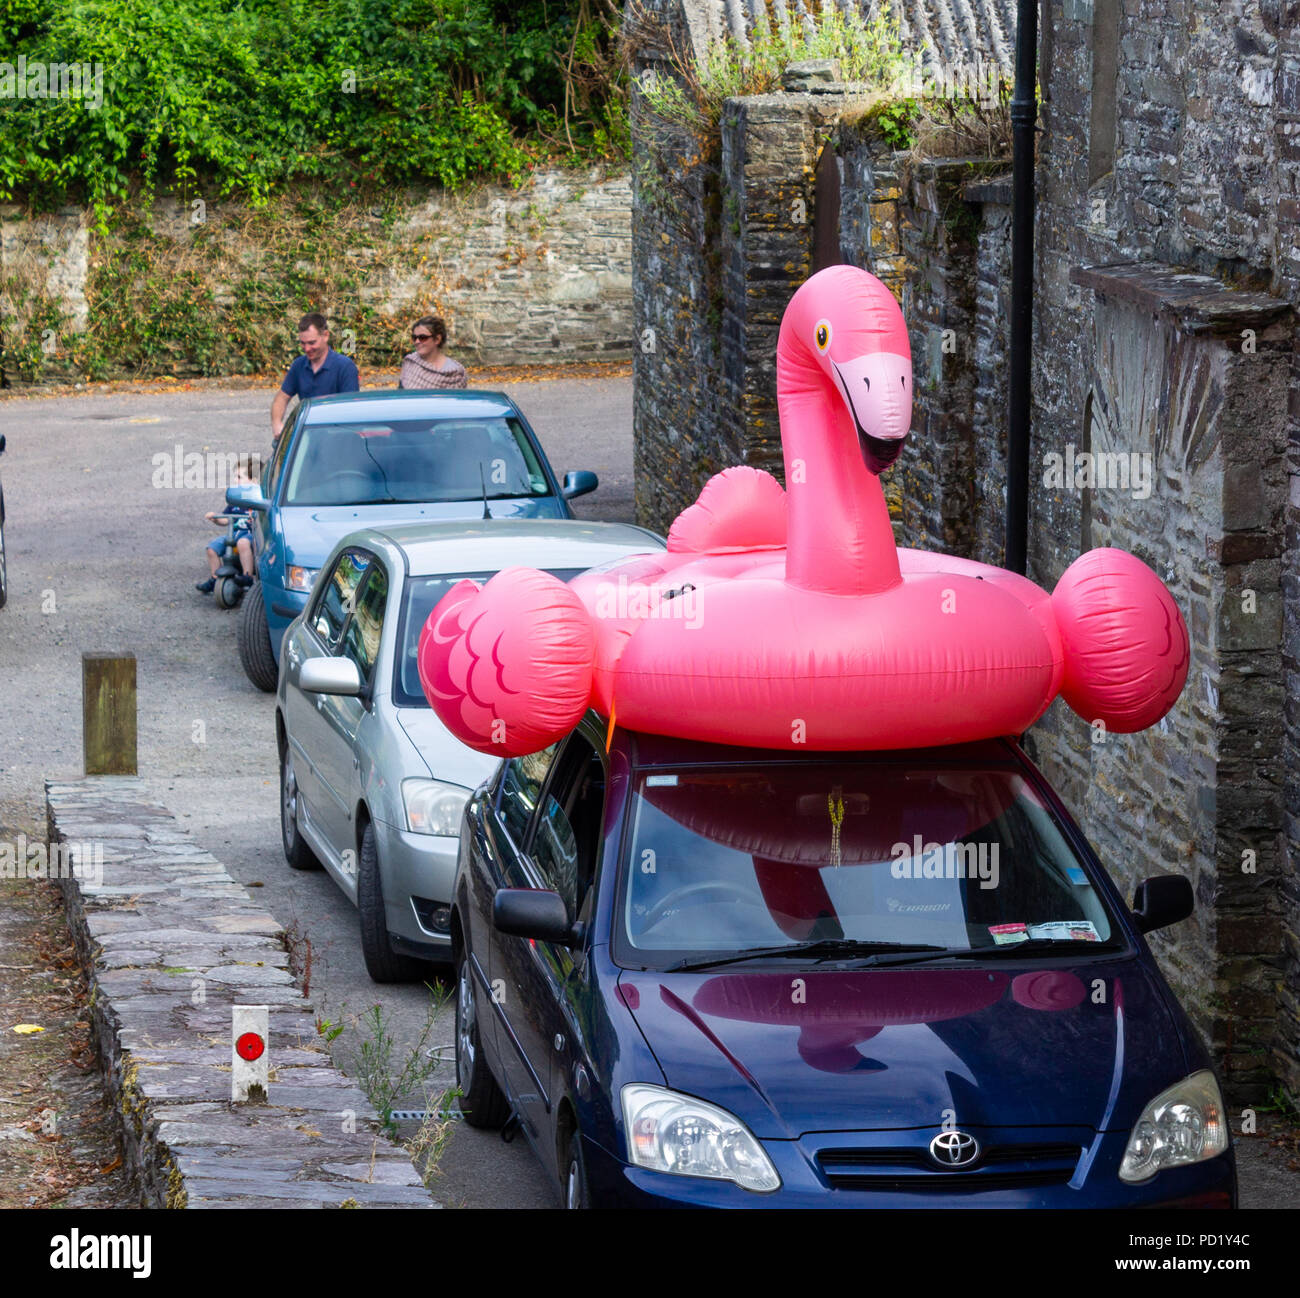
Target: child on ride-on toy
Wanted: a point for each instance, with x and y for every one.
(222, 550)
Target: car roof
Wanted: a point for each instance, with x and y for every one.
(489, 544)
(398, 403)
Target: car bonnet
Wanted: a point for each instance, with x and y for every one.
(791, 1050)
(312, 531)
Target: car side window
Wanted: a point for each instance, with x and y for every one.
(566, 833)
(364, 627)
(521, 784)
(336, 596)
(271, 474)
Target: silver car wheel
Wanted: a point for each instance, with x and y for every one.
(572, 1185)
(289, 795)
(465, 1032)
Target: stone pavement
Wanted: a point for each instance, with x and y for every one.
(170, 942)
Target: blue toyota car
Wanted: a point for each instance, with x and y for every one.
(371, 459)
(705, 976)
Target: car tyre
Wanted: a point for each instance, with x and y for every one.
(296, 851)
(577, 1194)
(254, 641)
(480, 1099)
(383, 964)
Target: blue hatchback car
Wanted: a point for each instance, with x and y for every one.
(373, 458)
(697, 975)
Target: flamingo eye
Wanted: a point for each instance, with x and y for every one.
(823, 335)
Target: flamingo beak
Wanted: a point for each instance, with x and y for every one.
(877, 389)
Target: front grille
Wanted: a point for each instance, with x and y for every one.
(910, 1167)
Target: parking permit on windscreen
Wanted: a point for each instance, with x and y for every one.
(661, 781)
(1066, 930)
(1005, 934)
(1076, 876)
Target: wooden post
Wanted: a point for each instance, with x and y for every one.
(108, 713)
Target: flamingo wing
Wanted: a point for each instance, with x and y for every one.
(739, 509)
(508, 666)
(1127, 652)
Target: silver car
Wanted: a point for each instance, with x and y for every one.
(372, 786)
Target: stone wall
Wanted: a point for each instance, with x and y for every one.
(539, 275)
(536, 275)
(676, 282)
(1201, 176)
(1172, 386)
(770, 146)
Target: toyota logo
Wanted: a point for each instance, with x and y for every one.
(954, 1149)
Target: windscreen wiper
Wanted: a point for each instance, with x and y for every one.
(824, 949)
(1008, 951)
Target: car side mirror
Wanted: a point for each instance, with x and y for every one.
(330, 676)
(2, 443)
(582, 482)
(532, 912)
(247, 495)
(1162, 900)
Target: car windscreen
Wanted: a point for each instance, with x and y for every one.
(418, 600)
(409, 460)
(722, 860)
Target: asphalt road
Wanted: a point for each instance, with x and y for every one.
(101, 559)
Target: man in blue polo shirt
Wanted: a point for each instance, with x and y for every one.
(320, 370)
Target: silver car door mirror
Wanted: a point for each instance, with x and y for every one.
(330, 676)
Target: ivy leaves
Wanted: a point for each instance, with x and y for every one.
(250, 97)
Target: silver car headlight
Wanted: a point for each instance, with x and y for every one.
(1185, 1124)
(433, 807)
(668, 1132)
(297, 578)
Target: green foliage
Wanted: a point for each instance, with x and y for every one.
(33, 320)
(868, 50)
(330, 1031)
(254, 96)
(222, 297)
(896, 121)
(386, 1072)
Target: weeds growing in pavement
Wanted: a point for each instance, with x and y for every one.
(427, 1144)
(386, 1072)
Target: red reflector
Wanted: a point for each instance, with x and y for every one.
(250, 1046)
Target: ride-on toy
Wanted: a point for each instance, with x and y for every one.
(228, 592)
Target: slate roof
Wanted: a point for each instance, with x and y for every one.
(948, 34)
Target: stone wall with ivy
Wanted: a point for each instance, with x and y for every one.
(540, 274)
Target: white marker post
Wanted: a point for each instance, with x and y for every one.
(249, 1068)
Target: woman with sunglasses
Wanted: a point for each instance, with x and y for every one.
(426, 366)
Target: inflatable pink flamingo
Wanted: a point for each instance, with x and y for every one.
(789, 618)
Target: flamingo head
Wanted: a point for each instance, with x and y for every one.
(845, 323)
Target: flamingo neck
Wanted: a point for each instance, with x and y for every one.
(839, 537)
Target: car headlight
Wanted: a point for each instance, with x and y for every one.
(300, 578)
(1185, 1124)
(433, 807)
(668, 1132)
